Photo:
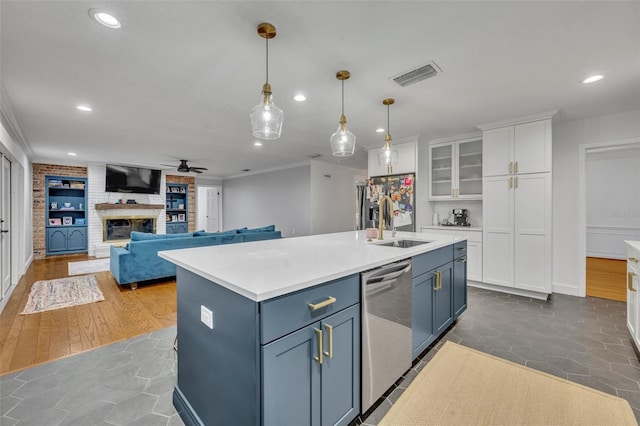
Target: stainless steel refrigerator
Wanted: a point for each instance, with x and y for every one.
(401, 189)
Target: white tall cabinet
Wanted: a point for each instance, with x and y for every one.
(633, 283)
(516, 231)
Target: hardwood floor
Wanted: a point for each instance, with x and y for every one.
(606, 278)
(27, 340)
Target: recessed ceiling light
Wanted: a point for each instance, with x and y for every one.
(257, 143)
(592, 79)
(104, 18)
(73, 154)
(300, 97)
(84, 108)
(380, 130)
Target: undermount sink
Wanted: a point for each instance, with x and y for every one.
(403, 243)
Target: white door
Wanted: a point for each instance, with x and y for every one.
(532, 232)
(497, 151)
(5, 226)
(532, 147)
(213, 206)
(497, 231)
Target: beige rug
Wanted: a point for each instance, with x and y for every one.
(88, 266)
(62, 293)
(461, 386)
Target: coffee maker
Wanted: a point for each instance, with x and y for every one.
(461, 217)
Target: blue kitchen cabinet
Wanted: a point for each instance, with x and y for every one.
(432, 304)
(460, 279)
(309, 383)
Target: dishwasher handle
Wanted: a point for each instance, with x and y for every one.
(388, 272)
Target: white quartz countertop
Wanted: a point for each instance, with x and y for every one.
(262, 270)
(634, 244)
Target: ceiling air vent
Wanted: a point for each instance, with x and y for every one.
(421, 73)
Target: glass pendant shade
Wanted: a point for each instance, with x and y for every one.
(387, 156)
(343, 142)
(266, 119)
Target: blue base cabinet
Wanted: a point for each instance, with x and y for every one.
(460, 279)
(67, 240)
(291, 360)
(306, 383)
(435, 295)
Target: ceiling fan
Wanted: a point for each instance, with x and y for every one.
(185, 168)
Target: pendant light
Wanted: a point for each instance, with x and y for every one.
(388, 156)
(266, 117)
(343, 142)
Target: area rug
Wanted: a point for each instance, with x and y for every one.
(62, 293)
(88, 266)
(461, 386)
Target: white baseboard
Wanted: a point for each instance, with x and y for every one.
(564, 288)
(509, 290)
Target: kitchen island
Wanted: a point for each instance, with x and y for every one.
(269, 332)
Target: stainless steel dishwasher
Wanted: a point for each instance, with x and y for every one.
(386, 328)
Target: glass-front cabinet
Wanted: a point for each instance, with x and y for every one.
(456, 170)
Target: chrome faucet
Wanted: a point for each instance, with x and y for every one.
(381, 215)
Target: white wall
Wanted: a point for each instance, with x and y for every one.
(333, 197)
(567, 138)
(280, 197)
(613, 211)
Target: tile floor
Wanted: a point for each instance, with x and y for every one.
(584, 340)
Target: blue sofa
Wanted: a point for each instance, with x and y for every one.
(139, 260)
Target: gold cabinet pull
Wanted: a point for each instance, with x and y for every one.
(515, 184)
(438, 284)
(453, 193)
(516, 167)
(630, 276)
(462, 260)
(329, 353)
(510, 166)
(315, 307)
(633, 259)
(319, 336)
(510, 182)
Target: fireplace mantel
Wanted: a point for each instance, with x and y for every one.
(113, 206)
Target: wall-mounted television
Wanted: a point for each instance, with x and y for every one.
(132, 180)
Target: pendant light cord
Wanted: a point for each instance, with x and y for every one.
(388, 129)
(342, 97)
(267, 59)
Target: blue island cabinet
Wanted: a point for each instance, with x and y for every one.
(290, 360)
(439, 293)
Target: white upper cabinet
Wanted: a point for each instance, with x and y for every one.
(517, 149)
(406, 160)
(455, 170)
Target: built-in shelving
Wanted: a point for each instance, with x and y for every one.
(66, 215)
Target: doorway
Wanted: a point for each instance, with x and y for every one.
(209, 208)
(5, 226)
(612, 202)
